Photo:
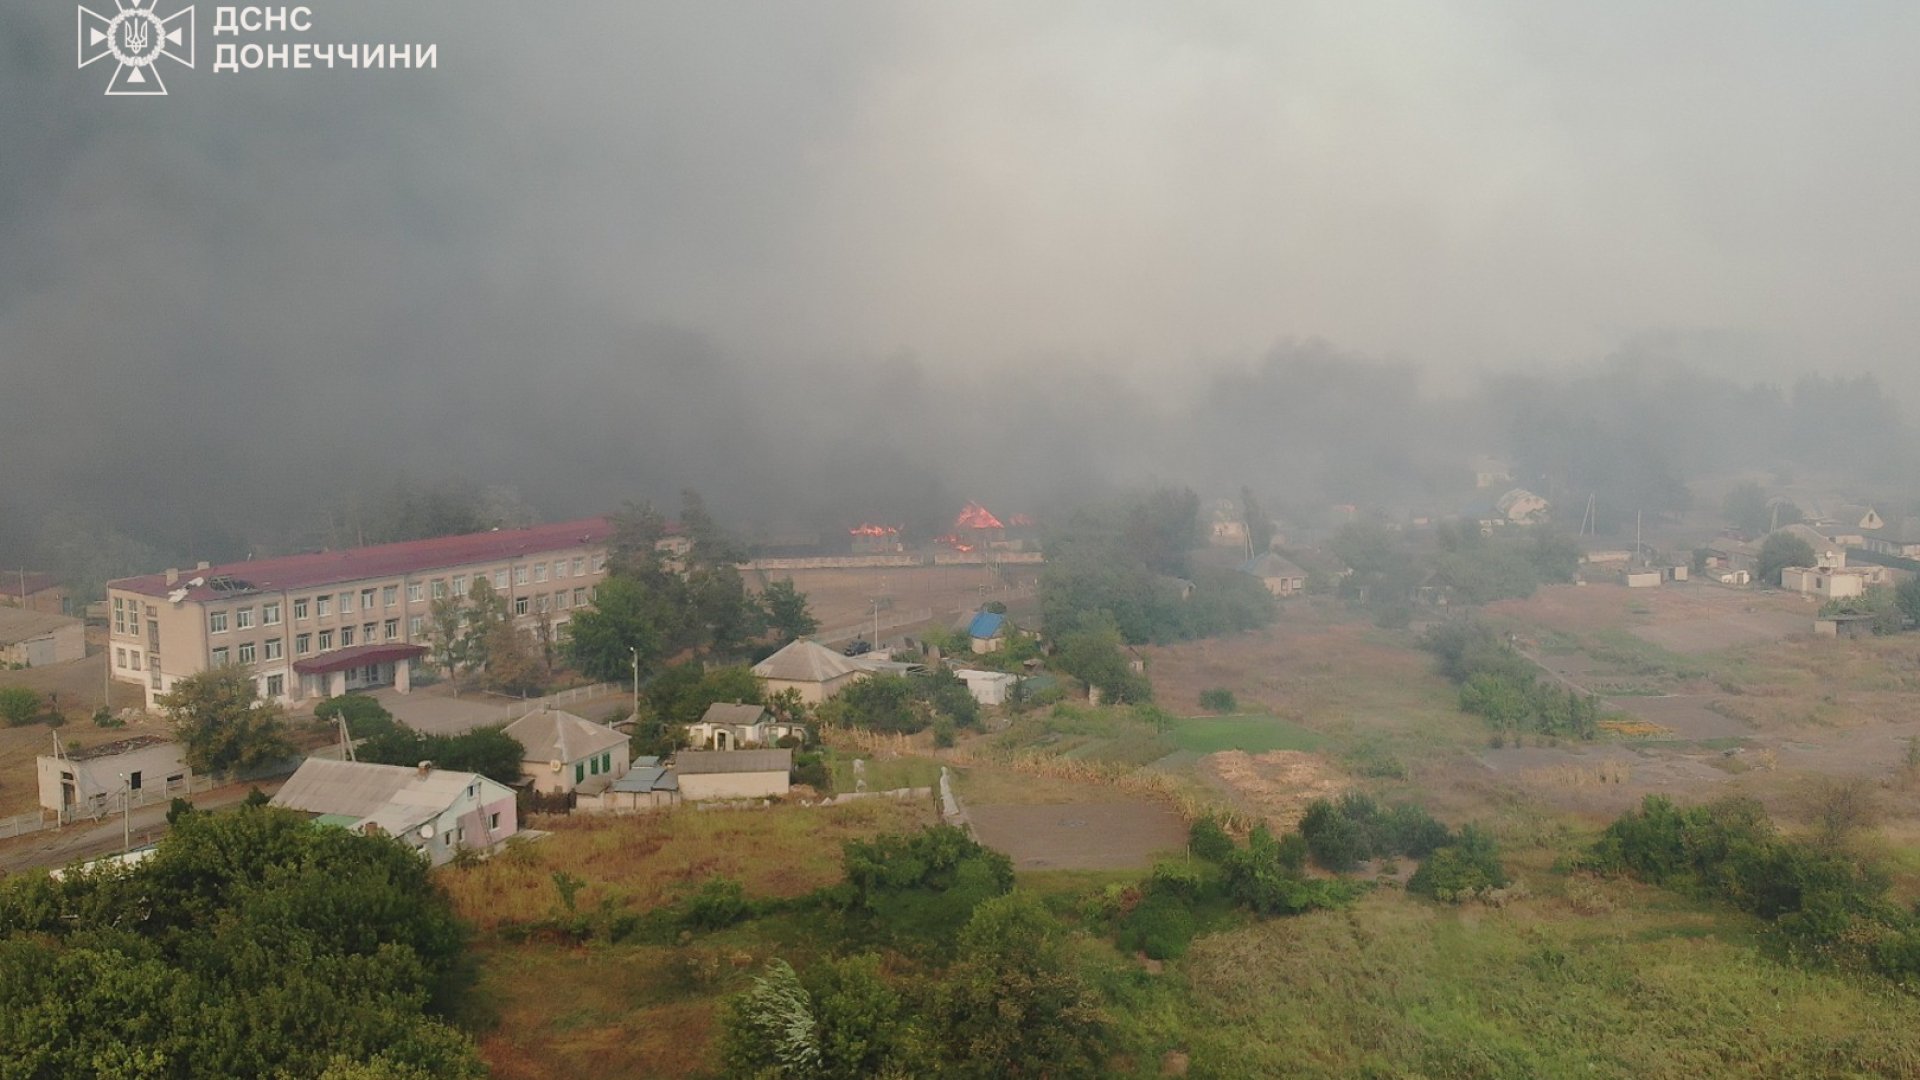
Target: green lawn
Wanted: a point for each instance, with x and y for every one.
(1254, 734)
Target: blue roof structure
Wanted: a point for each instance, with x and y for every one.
(985, 625)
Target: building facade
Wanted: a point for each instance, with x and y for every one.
(102, 779)
(319, 624)
(30, 638)
(35, 592)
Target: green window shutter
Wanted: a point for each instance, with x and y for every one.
(579, 772)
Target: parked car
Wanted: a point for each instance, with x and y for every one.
(857, 648)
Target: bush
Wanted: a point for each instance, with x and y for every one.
(1460, 870)
(718, 904)
(1207, 840)
(1340, 835)
(19, 706)
(811, 769)
(943, 733)
(1161, 926)
(1219, 700)
(1266, 876)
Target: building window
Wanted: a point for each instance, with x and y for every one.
(595, 762)
(346, 636)
(579, 598)
(275, 648)
(220, 656)
(119, 615)
(153, 678)
(393, 629)
(247, 652)
(439, 588)
(322, 606)
(579, 565)
(519, 605)
(560, 599)
(326, 640)
(520, 574)
(270, 614)
(276, 686)
(540, 571)
(389, 595)
(243, 618)
(120, 658)
(367, 633)
(300, 610)
(459, 584)
(135, 657)
(414, 624)
(133, 781)
(366, 599)
(606, 761)
(579, 772)
(133, 617)
(302, 644)
(545, 601)
(216, 622)
(559, 569)
(370, 673)
(500, 578)
(415, 592)
(493, 821)
(599, 563)
(346, 603)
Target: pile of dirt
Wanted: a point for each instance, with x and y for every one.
(1276, 785)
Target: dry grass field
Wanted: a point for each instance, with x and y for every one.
(844, 597)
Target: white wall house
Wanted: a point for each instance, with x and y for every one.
(564, 752)
(88, 783)
(733, 774)
(436, 812)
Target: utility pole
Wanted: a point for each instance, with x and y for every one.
(636, 685)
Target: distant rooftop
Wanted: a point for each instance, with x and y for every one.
(20, 624)
(323, 568)
(119, 746)
(10, 584)
(701, 762)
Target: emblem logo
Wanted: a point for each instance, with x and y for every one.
(137, 39)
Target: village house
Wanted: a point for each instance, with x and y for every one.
(436, 812)
(810, 668)
(731, 725)
(35, 592)
(1828, 583)
(1521, 507)
(32, 638)
(564, 752)
(1282, 577)
(321, 624)
(90, 782)
(733, 774)
(987, 631)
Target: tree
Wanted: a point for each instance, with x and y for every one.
(1014, 1005)
(626, 615)
(1745, 508)
(220, 720)
(1095, 658)
(1779, 551)
(512, 665)
(19, 706)
(486, 608)
(786, 610)
(1906, 597)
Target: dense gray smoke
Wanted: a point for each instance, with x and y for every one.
(835, 261)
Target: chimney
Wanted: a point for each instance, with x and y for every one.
(173, 577)
(424, 768)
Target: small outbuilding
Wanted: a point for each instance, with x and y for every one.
(30, 638)
(733, 774)
(731, 725)
(90, 782)
(647, 786)
(987, 687)
(987, 631)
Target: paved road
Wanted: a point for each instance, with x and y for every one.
(76, 843)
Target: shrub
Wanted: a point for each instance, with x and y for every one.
(943, 733)
(812, 770)
(1219, 700)
(19, 706)
(1460, 870)
(718, 904)
(1161, 926)
(1209, 841)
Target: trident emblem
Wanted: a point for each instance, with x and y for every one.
(137, 39)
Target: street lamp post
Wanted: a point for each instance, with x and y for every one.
(636, 684)
(126, 818)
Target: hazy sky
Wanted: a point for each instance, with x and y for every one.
(596, 224)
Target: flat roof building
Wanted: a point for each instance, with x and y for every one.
(323, 623)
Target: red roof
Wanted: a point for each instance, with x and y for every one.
(976, 516)
(358, 656)
(382, 560)
(10, 584)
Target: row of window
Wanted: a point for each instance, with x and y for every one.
(558, 601)
(324, 606)
(601, 764)
(126, 615)
(126, 659)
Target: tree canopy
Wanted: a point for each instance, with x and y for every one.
(222, 723)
